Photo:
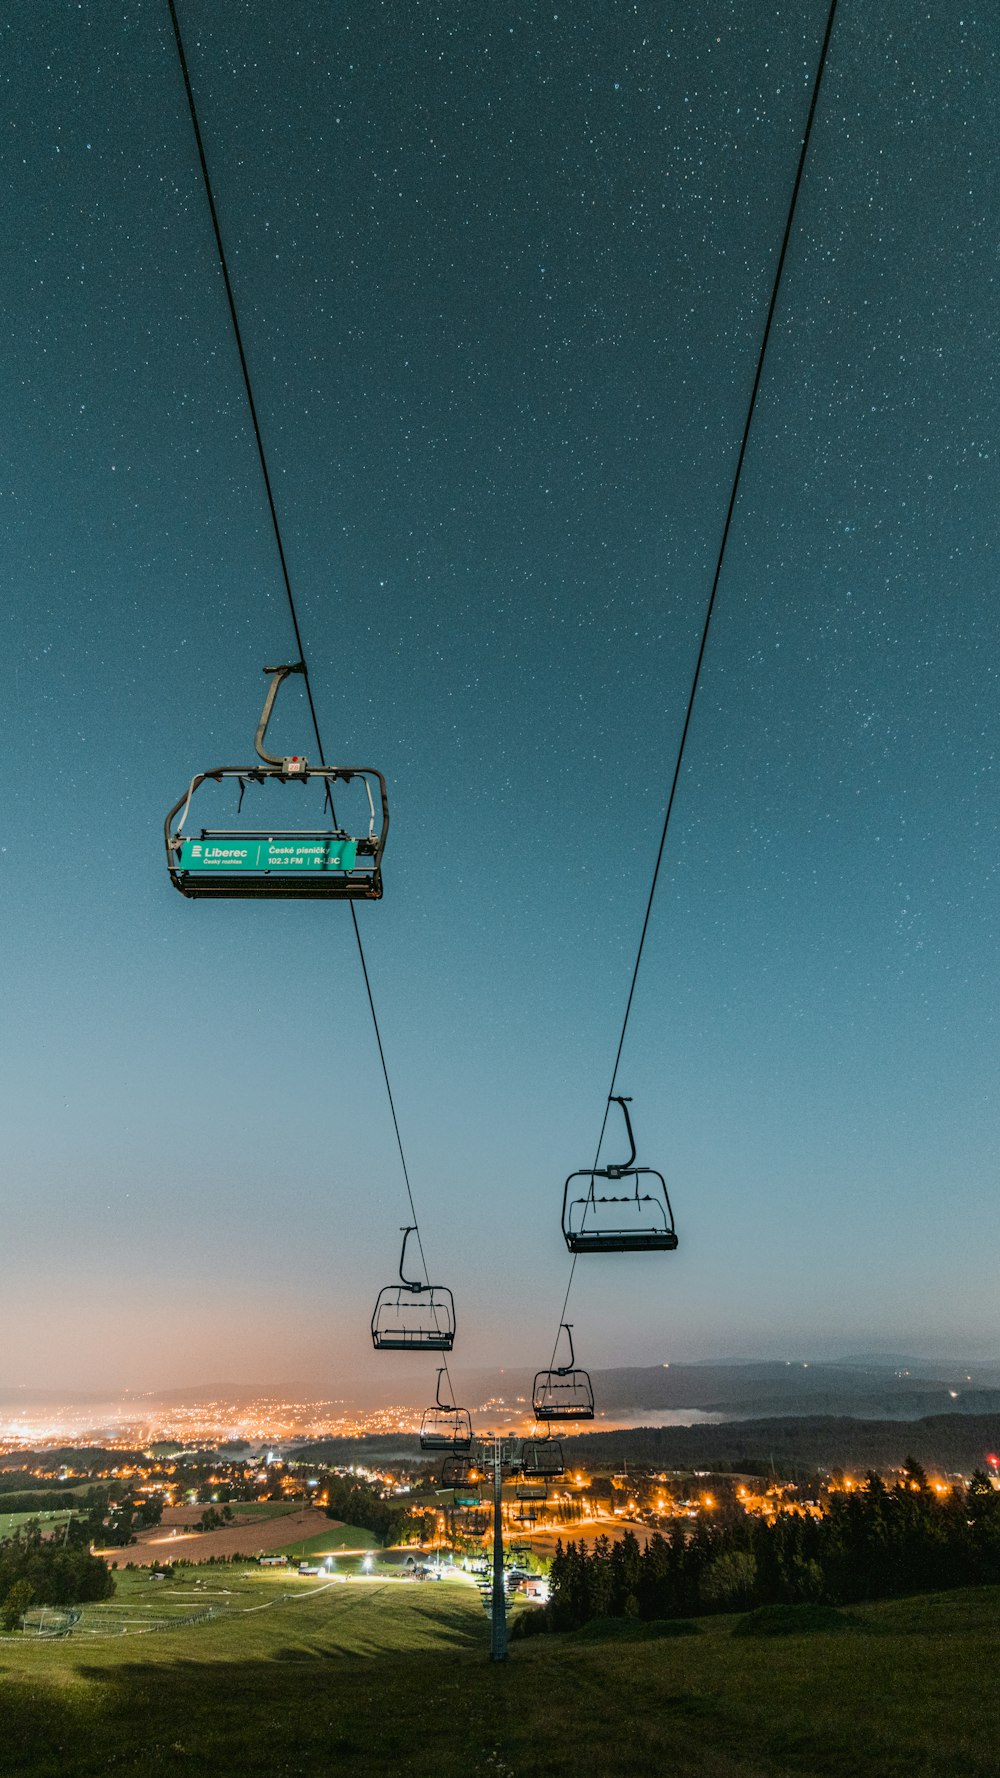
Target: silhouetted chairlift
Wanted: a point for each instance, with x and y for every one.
(304, 863)
(412, 1317)
(530, 1490)
(445, 1427)
(636, 1220)
(467, 1495)
(542, 1457)
(564, 1393)
(458, 1469)
(526, 1515)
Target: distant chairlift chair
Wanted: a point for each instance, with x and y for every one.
(411, 1317)
(271, 863)
(542, 1457)
(457, 1470)
(530, 1490)
(637, 1220)
(564, 1393)
(445, 1427)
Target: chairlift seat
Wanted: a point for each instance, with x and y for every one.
(414, 1317)
(562, 1395)
(457, 1470)
(563, 1392)
(290, 864)
(542, 1457)
(446, 1430)
(293, 864)
(408, 1320)
(531, 1491)
(618, 1208)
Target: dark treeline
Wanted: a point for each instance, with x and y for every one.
(381, 1447)
(90, 1459)
(52, 1501)
(36, 1571)
(360, 1503)
(873, 1543)
(788, 1444)
(952, 1443)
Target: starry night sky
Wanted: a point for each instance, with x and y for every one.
(502, 272)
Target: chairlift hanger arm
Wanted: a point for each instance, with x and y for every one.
(280, 674)
(563, 1370)
(447, 1407)
(408, 1283)
(616, 1171)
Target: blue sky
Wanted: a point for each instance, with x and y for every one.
(501, 277)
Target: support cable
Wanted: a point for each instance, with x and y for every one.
(286, 578)
(727, 525)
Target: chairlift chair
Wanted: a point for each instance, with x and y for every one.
(467, 1495)
(298, 863)
(542, 1457)
(526, 1515)
(412, 1317)
(564, 1393)
(457, 1470)
(530, 1490)
(445, 1427)
(636, 1219)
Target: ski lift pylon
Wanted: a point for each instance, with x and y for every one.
(412, 1317)
(305, 863)
(636, 1220)
(445, 1427)
(564, 1393)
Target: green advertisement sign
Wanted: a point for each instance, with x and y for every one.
(267, 855)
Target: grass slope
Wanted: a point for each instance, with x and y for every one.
(290, 1689)
(12, 1523)
(327, 1543)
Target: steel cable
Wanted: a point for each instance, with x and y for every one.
(286, 579)
(710, 608)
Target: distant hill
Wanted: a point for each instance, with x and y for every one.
(865, 1389)
(944, 1443)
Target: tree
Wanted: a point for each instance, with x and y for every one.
(728, 1581)
(16, 1604)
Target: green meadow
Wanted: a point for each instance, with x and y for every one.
(261, 1509)
(12, 1523)
(327, 1543)
(293, 1676)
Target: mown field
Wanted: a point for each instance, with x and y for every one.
(12, 1523)
(388, 1676)
(276, 1526)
